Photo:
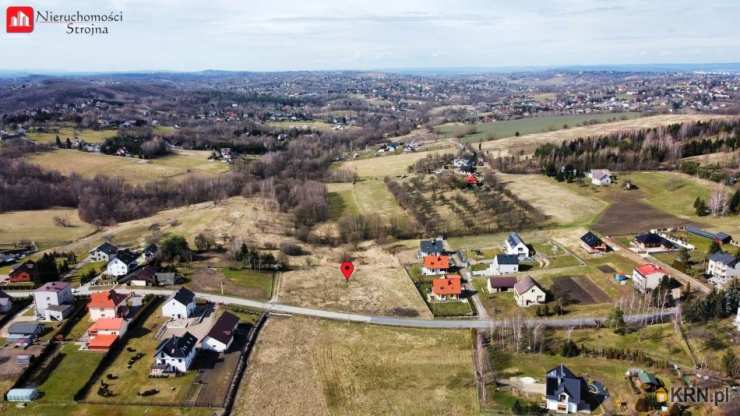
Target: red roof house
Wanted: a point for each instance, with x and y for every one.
(435, 265)
(448, 288)
(109, 304)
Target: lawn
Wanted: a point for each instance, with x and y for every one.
(509, 128)
(88, 135)
(70, 376)
(177, 166)
(98, 266)
(39, 226)
(251, 279)
(135, 379)
(369, 196)
(344, 368)
(450, 309)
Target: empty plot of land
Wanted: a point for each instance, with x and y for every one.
(393, 165)
(64, 133)
(629, 215)
(529, 142)
(318, 367)
(379, 285)
(42, 227)
(579, 289)
(88, 165)
(369, 196)
(554, 199)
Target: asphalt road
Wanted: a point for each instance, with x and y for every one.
(384, 320)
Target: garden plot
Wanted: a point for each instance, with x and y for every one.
(580, 290)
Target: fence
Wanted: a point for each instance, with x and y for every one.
(243, 363)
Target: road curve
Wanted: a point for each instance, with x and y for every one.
(667, 314)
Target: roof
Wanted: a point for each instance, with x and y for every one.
(503, 282)
(165, 278)
(24, 328)
(561, 380)
(600, 174)
(126, 256)
(471, 179)
(184, 296)
(53, 287)
(26, 266)
(151, 249)
(514, 239)
(105, 300)
(224, 327)
(648, 269)
(147, 273)
(101, 341)
(591, 239)
(724, 258)
(510, 259)
(437, 262)
(107, 324)
(178, 347)
(451, 285)
(649, 238)
(432, 246)
(646, 378)
(106, 248)
(524, 284)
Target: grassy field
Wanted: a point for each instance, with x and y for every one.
(509, 128)
(98, 266)
(364, 197)
(176, 166)
(301, 125)
(252, 279)
(381, 166)
(527, 143)
(39, 226)
(88, 135)
(351, 369)
(79, 409)
(72, 373)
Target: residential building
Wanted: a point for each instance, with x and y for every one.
(147, 255)
(167, 278)
(435, 247)
(145, 276)
(53, 301)
(723, 267)
(501, 284)
(103, 252)
(600, 177)
(504, 264)
(108, 304)
(434, 265)
(174, 355)
(593, 244)
(123, 263)
(527, 292)
(447, 288)
(516, 246)
(651, 242)
(647, 277)
(220, 337)
(23, 333)
(6, 302)
(565, 392)
(105, 332)
(25, 272)
(181, 305)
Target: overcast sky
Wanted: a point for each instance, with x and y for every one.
(346, 34)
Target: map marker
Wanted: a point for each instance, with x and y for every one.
(347, 268)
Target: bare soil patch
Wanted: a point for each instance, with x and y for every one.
(579, 289)
(629, 215)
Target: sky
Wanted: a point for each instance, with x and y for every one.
(276, 35)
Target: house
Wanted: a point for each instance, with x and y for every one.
(593, 244)
(565, 392)
(447, 288)
(504, 264)
(25, 272)
(123, 263)
(647, 381)
(501, 284)
(145, 276)
(527, 292)
(103, 252)
(23, 333)
(6, 302)
(434, 265)
(109, 304)
(147, 255)
(435, 247)
(105, 332)
(516, 246)
(600, 177)
(651, 242)
(723, 267)
(167, 279)
(181, 305)
(647, 277)
(720, 237)
(53, 300)
(174, 355)
(471, 180)
(221, 335)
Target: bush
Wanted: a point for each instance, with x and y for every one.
(291, 249)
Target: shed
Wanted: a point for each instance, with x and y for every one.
(22, 395)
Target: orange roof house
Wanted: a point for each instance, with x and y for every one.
(101, 342)
(108, 304)
(437, 262)
(115, 326)
(449, 287)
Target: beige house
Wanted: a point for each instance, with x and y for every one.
(527, 292)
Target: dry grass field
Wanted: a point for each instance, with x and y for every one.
(176, 166)
(369, 196)
(558, 202)
(527, 143)
(314, 367)
(88, 135)
(39, 226)
(379, 285)
(394, 165)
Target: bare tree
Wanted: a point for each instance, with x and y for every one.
(718, 202)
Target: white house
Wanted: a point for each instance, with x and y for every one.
(527, 292)
(123, 263)
(221, 335)
(647, 277)
(181, 305)
(108, 326)
(600, 177)
(6, 303)
(53, 301)
(516, 246)
(435, 265)
(174, 355)
(103, 252)
(723, 267)
(565, 392)
(107, 304)
(504, 264)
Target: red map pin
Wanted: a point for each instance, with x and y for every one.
(347, 268)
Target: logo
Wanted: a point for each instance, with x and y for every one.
(19, 19)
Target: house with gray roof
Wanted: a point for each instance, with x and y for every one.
(565, 392)
(723, 267)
